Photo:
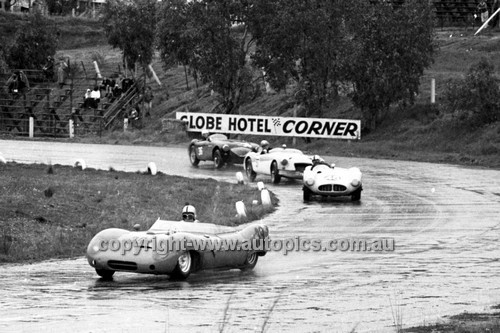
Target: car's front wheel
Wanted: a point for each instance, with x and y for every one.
(306, 193)
(356, 196)
(250, 262)
(275, 176)
(106, 274)
(218, 162)
(183, 268)
(192, 156)
(249, 170)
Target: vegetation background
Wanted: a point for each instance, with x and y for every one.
(460, 127)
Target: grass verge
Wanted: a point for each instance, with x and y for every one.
(463, 323)
(54, 211)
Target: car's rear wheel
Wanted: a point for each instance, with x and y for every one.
(192, 156)
(306, 193)
(106, 274)
(275, 176)
(249, 170)
(218, 162)
(250, 262)
(356, 196)
(183, 268)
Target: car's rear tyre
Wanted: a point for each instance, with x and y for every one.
(275, 176)
(184, 266)
(250, 261)
(106, 274)
(249, 170)
(306, 192)
(192, 156)
(218, 162)
(356, 196)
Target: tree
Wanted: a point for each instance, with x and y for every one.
(303, 41)
(202, 35)
(175, 39)
(131, 27)
(390, 48)
(34, 42)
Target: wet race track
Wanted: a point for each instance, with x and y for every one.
(444, 220)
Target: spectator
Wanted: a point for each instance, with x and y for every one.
(61, 73)
(105, 86)
(95, 96)
(117, 91)
(18, 83)
(87, 100)
(48, 68)
(148, 100)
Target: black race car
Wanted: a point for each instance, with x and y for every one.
(218, 148)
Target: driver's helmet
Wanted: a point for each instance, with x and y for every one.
(317, 159)
(264, 144)
(205, 134)
(189, 213)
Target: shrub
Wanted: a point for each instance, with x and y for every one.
(475, 99)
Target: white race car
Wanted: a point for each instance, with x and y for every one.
(328, 180)
(277, 162)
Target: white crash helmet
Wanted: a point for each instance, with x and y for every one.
(317, 158)
(264, 144)
(188, 213)
(205, 133)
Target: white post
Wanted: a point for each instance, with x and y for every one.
(433, 90)
(32, 127)
(294, 139)
(71, 129)
(97, 70)
(154, 74)
(125, 124)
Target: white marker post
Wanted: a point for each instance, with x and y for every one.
(71, 129)
(154, 74)
(32, 127)
(97, 70)
(433, 90)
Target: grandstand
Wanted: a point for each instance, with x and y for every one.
(53, 107)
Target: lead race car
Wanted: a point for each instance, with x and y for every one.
(328, 180)
(176, 248)
(218, 148)
(277, 162)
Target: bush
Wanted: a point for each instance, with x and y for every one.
(475, 99)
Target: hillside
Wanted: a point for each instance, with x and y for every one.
(420, 132)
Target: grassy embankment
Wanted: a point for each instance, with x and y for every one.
(54, 211)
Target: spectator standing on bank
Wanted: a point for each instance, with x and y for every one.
(482, 8)
(148, 101)
(61, 73)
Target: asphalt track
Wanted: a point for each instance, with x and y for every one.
(444, 220)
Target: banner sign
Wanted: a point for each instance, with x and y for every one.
(276, 126)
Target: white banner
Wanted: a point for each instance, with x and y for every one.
(276, 126)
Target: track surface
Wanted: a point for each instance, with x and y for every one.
(444, 220)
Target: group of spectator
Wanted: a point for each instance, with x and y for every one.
(17, 83)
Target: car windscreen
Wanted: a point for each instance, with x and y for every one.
(218, 137)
